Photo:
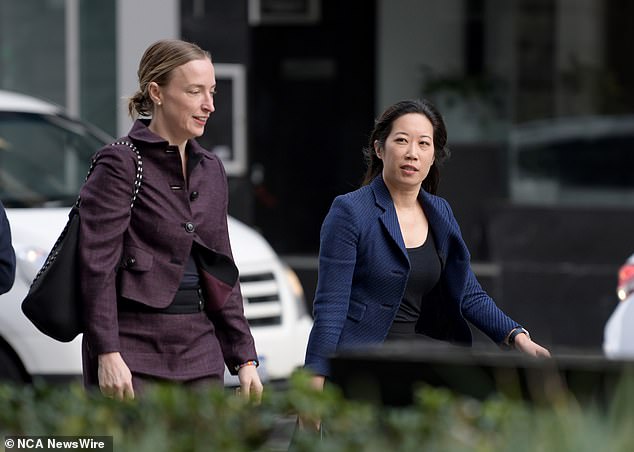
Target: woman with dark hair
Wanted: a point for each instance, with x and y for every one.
(392, 262)
(383, 127)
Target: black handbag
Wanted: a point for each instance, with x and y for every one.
(53, 303)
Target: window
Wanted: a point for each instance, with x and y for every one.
(575, 161)
(43, 159)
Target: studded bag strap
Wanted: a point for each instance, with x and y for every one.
(74, 211)
(137, 179)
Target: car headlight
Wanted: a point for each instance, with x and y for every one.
(298, 291)
(30, 260)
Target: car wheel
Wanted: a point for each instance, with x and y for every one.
(10, 370)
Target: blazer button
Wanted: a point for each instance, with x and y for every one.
(129, 262)
(189, 227)
(193, 196)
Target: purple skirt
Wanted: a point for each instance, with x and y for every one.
(172, 347)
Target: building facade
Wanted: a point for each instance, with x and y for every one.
(301, 82)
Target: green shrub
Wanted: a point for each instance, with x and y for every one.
(171, 418)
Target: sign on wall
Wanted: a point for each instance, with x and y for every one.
(225, 133)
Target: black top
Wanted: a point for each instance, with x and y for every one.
(190, 279)
(424, 275)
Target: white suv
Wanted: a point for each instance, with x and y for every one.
(44, 156)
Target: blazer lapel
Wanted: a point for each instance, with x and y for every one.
(389, 219)
(438, 223)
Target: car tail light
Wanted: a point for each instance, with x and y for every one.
(626, 281)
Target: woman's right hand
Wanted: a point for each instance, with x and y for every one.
(115, 378)
(524, 344)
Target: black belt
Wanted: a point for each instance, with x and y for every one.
(186, 301)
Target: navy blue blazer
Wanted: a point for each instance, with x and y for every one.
(363, 271)
(7, 254)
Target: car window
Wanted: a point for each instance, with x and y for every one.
(581, 168)
(605, 162)
(43, 159)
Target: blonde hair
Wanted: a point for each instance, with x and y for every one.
(156, 65)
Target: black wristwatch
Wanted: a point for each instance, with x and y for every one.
(513, 334)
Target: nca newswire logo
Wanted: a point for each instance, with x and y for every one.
(58, 443)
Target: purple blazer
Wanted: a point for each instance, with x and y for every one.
(141, 255)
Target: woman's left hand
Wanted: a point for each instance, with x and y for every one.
(524, 344)
(250, 384)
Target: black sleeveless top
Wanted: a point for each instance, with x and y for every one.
(190, 276)
(424, 274)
